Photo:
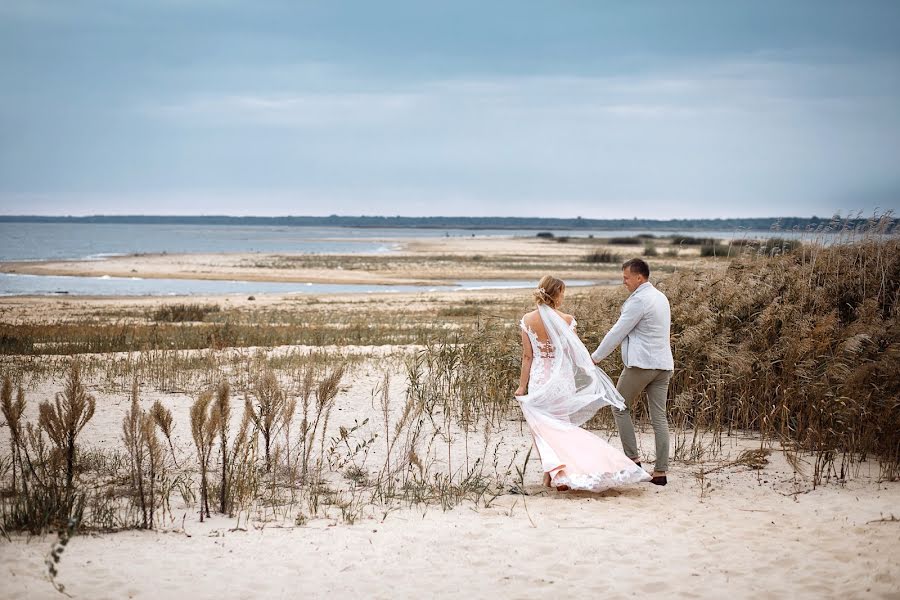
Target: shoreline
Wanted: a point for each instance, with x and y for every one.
(420, 262)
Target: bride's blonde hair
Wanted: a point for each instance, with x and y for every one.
(548, 290)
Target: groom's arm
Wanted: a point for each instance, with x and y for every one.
(631, 314)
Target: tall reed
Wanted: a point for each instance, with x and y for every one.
(65, 419)
(268, 413)
(204, 427)
(146, 457)
(12, 412)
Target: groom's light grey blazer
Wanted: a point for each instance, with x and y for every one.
(643, 331)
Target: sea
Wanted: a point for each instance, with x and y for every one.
(99, 241)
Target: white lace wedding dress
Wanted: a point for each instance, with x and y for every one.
(565, 389)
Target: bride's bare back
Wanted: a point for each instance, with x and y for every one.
(534, 322)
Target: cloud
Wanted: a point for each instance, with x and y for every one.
(721, 133)
(317, 110)
(724, 87)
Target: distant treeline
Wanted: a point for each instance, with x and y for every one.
(764, 224)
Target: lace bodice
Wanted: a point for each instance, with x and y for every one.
(543, 352)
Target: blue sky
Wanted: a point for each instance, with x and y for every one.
(599, 109)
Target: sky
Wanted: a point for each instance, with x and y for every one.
(599, 109)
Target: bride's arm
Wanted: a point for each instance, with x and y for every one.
(527, 359)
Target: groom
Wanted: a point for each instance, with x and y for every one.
(643, 331)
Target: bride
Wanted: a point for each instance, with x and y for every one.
(564, 390)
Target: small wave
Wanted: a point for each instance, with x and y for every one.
(104, 255)
(494, 286)
(104, 277)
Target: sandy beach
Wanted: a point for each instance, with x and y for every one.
(424, 261)
(744, 540)
(735, 531)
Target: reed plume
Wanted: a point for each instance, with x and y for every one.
(162, 416)
(65, 419)
(12, 412)
(326, 392)
(204, 426)
(305, 392)
(146, 458)
(222, 409)
(268, 413)
(133, 434)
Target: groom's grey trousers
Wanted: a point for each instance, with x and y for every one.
(631, 383)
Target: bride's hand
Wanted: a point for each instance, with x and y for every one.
(520, 391)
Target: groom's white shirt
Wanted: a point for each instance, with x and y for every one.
(643, 330)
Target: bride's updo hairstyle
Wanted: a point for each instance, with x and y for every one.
(548, 290)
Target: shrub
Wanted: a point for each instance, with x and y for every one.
(49, 490)
(603, 256)
(180, 313)
(460, 311)
(625, 241)
(714, 250)
(770, 246)
(680, 240)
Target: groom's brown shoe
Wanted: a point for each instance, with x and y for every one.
(659, 480)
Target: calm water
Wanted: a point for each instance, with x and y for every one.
(94, 241)
(19, 285)
(91, 241)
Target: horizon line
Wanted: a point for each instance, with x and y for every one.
(855, 216)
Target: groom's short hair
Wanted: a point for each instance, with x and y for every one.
(637, 266)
